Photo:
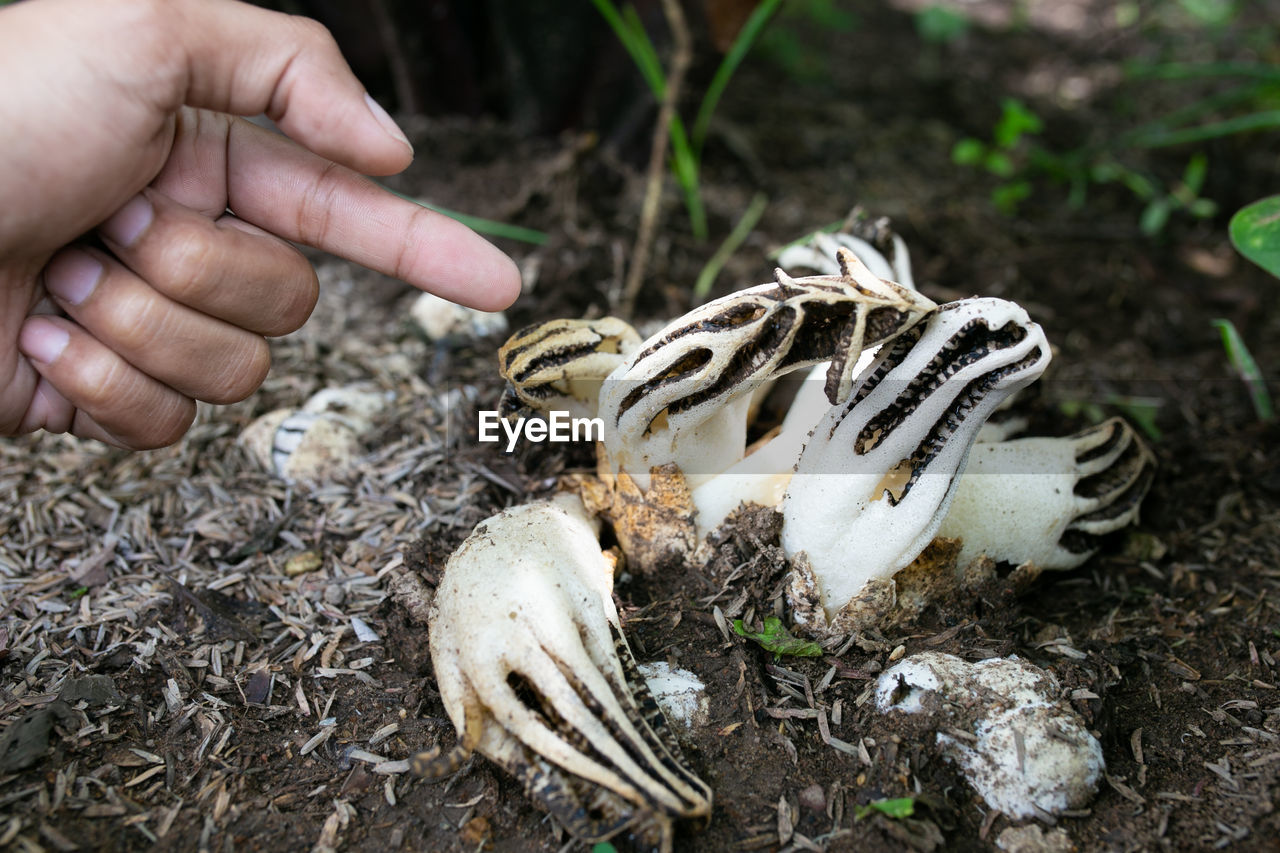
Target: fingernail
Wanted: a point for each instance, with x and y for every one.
(127, 224)
(72, 276)
(388, 123)
(42, 341)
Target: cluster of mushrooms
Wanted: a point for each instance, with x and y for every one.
(867, 469)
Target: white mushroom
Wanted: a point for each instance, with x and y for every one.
(1027, 753)
(682, 398)
(442, 320)
(876, 477)
(318, 440)
(1047, 500)
(536, 675)
(560, 364)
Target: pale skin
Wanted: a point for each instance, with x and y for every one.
(145, 228)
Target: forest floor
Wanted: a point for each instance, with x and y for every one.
(196, 655)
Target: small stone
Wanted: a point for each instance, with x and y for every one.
(813, 798)
(334, 594)
(1032, 839)
(300, 564)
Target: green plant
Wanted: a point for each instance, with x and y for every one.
(488, 227)
(1242, 360)
(1161, 201)
(784, 44)
(686, 153)
(1255, 232)
(1004, 154)
(748, 220)
(777, 639)
(896, 808)
(1141, 410)
(941, 24)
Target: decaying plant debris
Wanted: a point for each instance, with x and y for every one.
(216, 659)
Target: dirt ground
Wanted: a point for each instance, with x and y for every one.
(195, 655)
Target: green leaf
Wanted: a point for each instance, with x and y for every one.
(603, 847)
(488, 227)
(1016, 121)
(1082, 408)
(637, 44)
(1212, 13)
(1203, 208)
(777, 639)
(969, 152)
(1261, 120)
(896, 809)
(1242, 360)
(1255, 231)
(707, 276)
(1006, 196)
(829, 228)
(1141, 410)
(1154, 217)
(941, 25)
(1193, 175)
(732, 59)
(998, 164)
(78, 592)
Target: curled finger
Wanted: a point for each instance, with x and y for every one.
(196, 355)
(90, 391)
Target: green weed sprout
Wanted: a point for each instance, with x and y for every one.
(1255, 232)
(777, 639)
(685, 154)
(1242, 360)
(897, 809)
(998, 155)
(749, 218)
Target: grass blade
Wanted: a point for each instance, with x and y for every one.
(829, 228)
(1242, 360)
(1264, 120)
(737, 52)
(487, 227)
(749, 218)
(637, 44)
(1196, 71)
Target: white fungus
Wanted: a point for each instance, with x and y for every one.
(1031, 754)
(440, 320)
(681, 694)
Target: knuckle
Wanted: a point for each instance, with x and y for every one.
(313, 31)
(135, 325)
(298, 300)
(167, 425)
(185, 263)
(315, 211)
(246, 368)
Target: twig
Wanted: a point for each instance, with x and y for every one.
(680, 59)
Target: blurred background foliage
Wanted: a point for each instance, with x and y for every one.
(1184, 85)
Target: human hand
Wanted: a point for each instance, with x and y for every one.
(120, 121)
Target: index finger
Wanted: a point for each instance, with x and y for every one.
(285, 189)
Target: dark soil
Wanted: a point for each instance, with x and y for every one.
(1166, 642)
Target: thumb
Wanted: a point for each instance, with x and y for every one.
(244, 60)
